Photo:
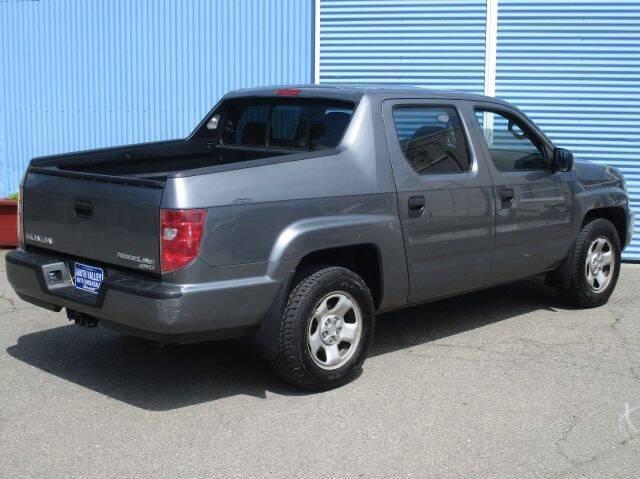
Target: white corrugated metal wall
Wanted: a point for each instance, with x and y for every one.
(573, 66)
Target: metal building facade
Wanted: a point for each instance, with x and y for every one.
(574, 67)
(79, 74)
(432, 43)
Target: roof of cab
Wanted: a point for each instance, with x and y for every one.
(357, 91)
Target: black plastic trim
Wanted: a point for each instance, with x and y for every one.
(267, 335)
(140, 287)
(182, 338)
(121, 180)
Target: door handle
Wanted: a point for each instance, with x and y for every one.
(83, 209)
(507, 196)
(416, 206)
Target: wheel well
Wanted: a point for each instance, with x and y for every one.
(363, 259)
(615, 214)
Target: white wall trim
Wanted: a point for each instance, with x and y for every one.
(491, 47)
(316, 43)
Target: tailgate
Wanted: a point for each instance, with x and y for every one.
(108, 222)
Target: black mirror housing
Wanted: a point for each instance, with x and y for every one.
(562, 160)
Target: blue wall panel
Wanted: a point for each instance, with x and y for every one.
(432, 43)
(574, 67)
(79, 74)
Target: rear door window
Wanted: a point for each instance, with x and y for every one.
(432, 139)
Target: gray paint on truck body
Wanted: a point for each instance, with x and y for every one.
(264, 216)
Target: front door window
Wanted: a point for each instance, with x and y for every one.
(511, 146)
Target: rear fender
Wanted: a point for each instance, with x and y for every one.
(315, 234)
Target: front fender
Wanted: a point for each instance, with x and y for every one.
(596, 195)
(597, 186)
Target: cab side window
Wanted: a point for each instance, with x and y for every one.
(511, 146)
(431, 139)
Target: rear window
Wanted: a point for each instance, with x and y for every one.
(297, 124)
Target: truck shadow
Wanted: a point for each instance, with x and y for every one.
(429, 322)
(144, 375)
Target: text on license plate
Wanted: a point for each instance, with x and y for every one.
(88, 278)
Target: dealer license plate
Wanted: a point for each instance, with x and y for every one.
(88, 278)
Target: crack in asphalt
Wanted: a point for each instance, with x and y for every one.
(564, 437)
(575, 463)
(12, 305)
(518, 359)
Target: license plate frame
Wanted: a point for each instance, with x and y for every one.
(87, 278)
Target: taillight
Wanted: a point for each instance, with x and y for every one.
(19, 219)
(181, 233)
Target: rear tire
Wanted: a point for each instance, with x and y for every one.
(595, 265)
(326, 329)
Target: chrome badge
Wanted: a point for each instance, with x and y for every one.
(143, 263)
(48, 240)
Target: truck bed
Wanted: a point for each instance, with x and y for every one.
(104, 205)
(154, 160)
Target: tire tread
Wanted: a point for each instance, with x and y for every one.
(287, 362)
(576, 294)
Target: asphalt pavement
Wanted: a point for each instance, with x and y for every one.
(507, 382)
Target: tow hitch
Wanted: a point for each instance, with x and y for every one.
(82, 319)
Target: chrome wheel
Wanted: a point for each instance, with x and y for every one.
(334, 330)
(600, 264)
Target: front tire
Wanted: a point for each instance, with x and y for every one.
(595, 265)
(326, 329)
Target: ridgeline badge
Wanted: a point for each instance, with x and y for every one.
(143, 263)
(48, 240)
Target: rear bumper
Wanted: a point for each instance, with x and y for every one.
(145, 307)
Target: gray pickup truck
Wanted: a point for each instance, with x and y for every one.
(292, 215)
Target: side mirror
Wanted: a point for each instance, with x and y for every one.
(562, 160)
